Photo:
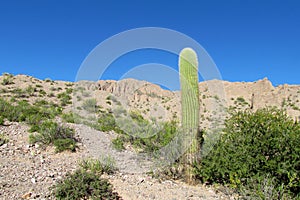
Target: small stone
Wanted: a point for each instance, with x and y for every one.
(27, 195)
(32, 153)
(141, 180)
(33, 180)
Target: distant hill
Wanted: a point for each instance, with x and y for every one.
(216, 96)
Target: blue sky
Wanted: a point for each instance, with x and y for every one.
(248, 40)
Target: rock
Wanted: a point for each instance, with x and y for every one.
(27, 195)
(33, 180)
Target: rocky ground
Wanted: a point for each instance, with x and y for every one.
(28, 171)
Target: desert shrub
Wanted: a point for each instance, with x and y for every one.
(118, 143)
(5, 108)
(64, 144)
(14, 113)
(19, 93)
(144, 135)
(104, 165)
(65, 98)
(69, 84)
(42, 92)
(70, 117)
(3, 139)
(51, 133)
(255, 145)
(7, 80)
(90, 105)
(83, 184)
(23, 111)
(157, 140)
(69, 90)
(47, 80)
(153, 142)
(263, 188)
(51, 94)
(1, 120)
(136, 116)
(30, 90)
(106, 122)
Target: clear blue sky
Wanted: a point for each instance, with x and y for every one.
(248, 40)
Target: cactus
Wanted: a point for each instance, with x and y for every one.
(188, 70)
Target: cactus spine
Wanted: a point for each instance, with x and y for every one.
(188, 70)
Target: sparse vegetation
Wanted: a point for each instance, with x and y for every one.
(154, 140)
(118, 143)
(240, 99)
(51, 133)
(69, 84)
(47, 80)
(19, 93)
(3, 139)
(257, 156)
(106, 122)
(65, 98)
(30, 90)
(22, 111)
(70, 117)
(7, 79)
(90, 105)
(1, 120)
(104, 165)
(36, 116)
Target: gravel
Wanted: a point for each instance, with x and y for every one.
(28, 171)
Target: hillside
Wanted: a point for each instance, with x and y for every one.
(28, 169)
(153, 101)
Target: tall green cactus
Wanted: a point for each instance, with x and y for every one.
(188, 69)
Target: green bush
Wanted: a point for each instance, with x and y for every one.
(30, 90)
(51, 133)
(36, 115)
(118, 143)
(19, 93)
(65, 98)
(7, 80)
(90, 105)
(24, 112)
(1, 120)
(106, 122)
(64, 144)
(84, 185)
(3, 139)
(154, 142)
(71, 117)
(157, 140)
(255, 145)
(105, 165)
